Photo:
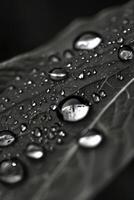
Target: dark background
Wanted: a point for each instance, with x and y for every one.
(26, 24)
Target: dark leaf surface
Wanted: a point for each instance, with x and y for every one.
(70, 172)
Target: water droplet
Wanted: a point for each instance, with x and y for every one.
(124, 31)
(92, 140)
(11, 171)
(68, 54)
(69, 65)
(11, 87)
(120, 40)
(74, 109)
(34, 151)
(17, 78)
(88, 73)
(33, 104)
(59, 141)
(126, 53)
(53, 107)
(125, 21)
(62, 93)
(96, 98)
(94, 72)
(51, 135)
(54, 58)
(21, 108)
(6, 138)
(53, 128)
(120, 77)
(62, 133)
(81, 76)
(20, 91)
(58, 74)
(87, 41)
(23, 127)
(37, 132)
(102, 94)
(29, 82)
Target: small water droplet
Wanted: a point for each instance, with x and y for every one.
(11, 171)
(59, 141)
(81, 76)
(23, 127)
(120, 40)
(68, 54)
(96, 98)
(69, 65)
(53, 128)
(87, 41)
(73, 109)
(62, 93)
(102, 94)
(58, 74)
(61, 133)
(6, 138)
(17, 78)
(34, 151)
(125, 21)
(20, 91)
(51, 135)
(120, 77)
(21, 108)
(54, 58)
(124, 31)
(94, 72)
(29, 82)
(92, 140)
(53, 107)
(37, 132)
(126, 53)
(88, 73)
(11, 87)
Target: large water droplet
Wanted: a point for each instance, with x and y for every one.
(58, 74)
(126, 53)
(73, 109)
(34, 151)
(87, 41)
(6, 138)
(11, 171)
(92, 140)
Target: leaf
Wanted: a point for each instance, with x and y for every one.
(69, 172)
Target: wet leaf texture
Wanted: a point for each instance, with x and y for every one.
(66, 111)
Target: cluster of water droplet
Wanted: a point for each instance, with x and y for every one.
(47, 92)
